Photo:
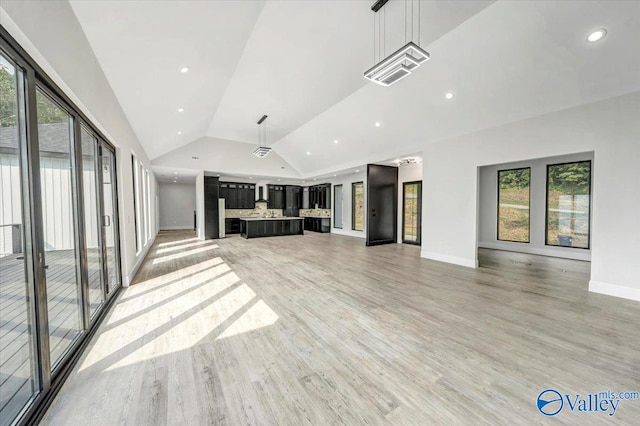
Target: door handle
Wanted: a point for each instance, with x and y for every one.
(107, 220)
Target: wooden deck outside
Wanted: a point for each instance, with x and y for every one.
(16, 332)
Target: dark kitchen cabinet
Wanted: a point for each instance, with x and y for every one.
(317, 224)
(292, 200)
(238, 195)
(211, 195)
(232, 225)
(276, 196)
(320, 195)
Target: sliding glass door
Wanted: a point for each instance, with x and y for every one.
(59, 253)
(19, 379)
(57, 170)
(92, 234)
(110, 218)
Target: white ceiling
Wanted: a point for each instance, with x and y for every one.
(142, 45)
(301, 62)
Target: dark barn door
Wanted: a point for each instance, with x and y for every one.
(382, 204)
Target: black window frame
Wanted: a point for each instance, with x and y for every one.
(353, 206)
(546, 205)
(418, 241)
(498, 207)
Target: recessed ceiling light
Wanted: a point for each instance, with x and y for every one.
(377, 124)
(175, 173)
(315, 179)
(218, 175)
(335, 175)
(357, 171)
(308, 153)
(180, 109)
(179, 132)
(303, 181)
(448, 96)
(335, 141)
(597, 35)
(250, 177)
(184, 69)
(278, 180)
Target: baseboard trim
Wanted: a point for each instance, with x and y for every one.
(349, 233)
(141, 258)
(614, 290)
(177, 228)
(575, 254)
(469, 263)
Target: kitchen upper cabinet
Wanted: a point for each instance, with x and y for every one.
(276, 197)
(238, 195)
(320, 195)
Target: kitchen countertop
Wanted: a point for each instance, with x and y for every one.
(270, 218)
(317, 217)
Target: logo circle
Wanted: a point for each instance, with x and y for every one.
(550, 402)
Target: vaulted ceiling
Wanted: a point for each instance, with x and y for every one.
(301, 63)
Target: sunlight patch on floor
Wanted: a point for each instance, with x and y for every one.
(258, 316)
(183, 254)
(187, 321)
(174, 243)
(178, 248)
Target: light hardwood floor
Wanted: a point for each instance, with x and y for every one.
(318, 329)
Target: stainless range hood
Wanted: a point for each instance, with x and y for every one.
(261, 195)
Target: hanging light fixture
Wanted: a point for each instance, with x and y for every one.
(262, 150)
(403, 61)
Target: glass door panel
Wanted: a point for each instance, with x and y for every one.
(109, 219)
(92, 234)
(64, 301)
(18, 360)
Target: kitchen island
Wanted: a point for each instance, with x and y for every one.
(255, 227)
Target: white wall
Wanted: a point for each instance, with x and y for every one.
(51, 34)
(488, 208)
(177, 203)
(406, 173)
(347, 210)
(609, 128)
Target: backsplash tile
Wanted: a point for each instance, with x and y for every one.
(261, 210)
(315, 212)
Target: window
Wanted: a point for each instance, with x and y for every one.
(357, 206)
(568, 204)
(411, 208)
(136, 202)
(337, 206)
(148, 202)
(145, 206)
(513, 205)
